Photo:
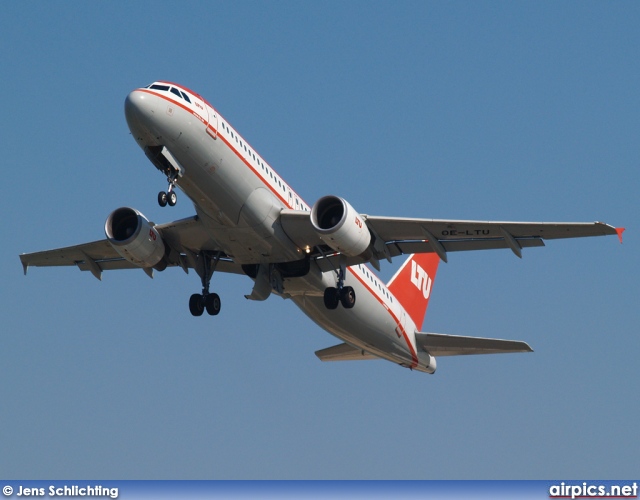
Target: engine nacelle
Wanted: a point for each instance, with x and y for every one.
(340, 226)
(131, 235)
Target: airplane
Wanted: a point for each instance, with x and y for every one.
(249, 221)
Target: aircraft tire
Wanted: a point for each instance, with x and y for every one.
(172, 198)
(162, 199)
(213, 304)
(348, 297)
(196, 304)
(331, 298)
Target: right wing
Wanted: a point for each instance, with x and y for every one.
(186, 237)
(438, 344)
(395, 236)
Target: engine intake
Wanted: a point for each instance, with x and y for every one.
(340, 226)
(135, 239)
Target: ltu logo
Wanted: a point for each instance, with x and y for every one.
(421, 279)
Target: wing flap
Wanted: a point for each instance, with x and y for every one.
(408, 247)
(438, 344)
(100, 256)
(343, 352)
(97, 251)
(396, 228)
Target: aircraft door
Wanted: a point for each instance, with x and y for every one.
(401, 328)
(212, 122)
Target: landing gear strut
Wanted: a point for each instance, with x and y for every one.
(198, 303)
(170, 197)
(340, 294)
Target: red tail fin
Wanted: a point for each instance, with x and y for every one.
(412, 284)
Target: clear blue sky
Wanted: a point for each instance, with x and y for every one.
(469, 110)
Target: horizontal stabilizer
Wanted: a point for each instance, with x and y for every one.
(343, 352)
(437, 344)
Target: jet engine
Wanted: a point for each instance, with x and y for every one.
(135, 239)
(340, 226)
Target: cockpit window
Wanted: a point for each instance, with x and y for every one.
(159, 87)
(186, 97)
(175, 91)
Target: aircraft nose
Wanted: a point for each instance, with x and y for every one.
(139, 107)
(140, 112)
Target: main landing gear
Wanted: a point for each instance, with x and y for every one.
(345, 295)
(209, 301)
(198, 303)
(170, 197)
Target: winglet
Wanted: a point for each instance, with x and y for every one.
(619, 230)
(25, 265)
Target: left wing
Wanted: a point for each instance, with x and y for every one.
(395, 235)
(186, 238)
(96, 257)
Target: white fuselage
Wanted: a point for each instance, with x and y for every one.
(238, 197)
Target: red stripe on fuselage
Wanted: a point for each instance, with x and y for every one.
(414, 356)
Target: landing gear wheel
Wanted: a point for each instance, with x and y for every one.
(331, 298)
(162, 199)
(212, 303)
(348, 297)
(196, 304)
(172, 198)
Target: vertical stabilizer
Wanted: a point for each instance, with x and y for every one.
(413, 283)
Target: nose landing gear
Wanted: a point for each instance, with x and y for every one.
(164, 161)
(170, 197)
